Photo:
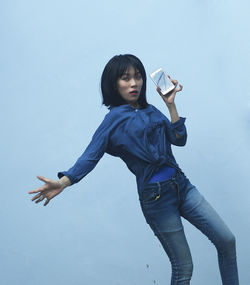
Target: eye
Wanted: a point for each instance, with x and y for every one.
(125, 77)
(138, 76)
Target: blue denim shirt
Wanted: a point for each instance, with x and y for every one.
(142, 138)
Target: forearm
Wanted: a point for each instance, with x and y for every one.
(173, 115)
(64, 181)
(173, 112)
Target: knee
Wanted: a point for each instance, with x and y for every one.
(230, 241)
(187, 271)
(227, 244)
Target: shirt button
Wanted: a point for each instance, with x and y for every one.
(136, 110)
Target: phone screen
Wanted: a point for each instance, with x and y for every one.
(160, 79)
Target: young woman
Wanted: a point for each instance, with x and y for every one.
(141, 136)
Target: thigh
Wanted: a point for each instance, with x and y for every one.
(203, 216)
(160, 206)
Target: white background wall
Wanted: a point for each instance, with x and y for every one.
(52, 54)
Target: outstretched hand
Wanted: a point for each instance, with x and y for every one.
(170, 97)
(48, 191)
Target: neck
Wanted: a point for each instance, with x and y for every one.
(135, 105)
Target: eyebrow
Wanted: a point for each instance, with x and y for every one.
(127, 73)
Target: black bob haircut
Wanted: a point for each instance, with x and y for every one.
(114, 70)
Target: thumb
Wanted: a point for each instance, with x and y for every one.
(46, 180)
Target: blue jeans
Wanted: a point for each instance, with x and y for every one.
(163, 203)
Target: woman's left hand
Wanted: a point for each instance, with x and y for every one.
(169, 97)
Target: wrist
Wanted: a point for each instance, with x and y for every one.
(171, 106)
(64, 182)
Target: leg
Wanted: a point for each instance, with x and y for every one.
(205, 218)
(177, 249)
(160, 208)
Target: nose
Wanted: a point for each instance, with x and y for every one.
(133, 82)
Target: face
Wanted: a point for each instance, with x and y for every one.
(129, 85)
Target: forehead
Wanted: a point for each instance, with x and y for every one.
(131, 70)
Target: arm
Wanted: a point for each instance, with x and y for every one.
(64, 182)
(85, 163)
(92, 154)
(177, 123)
(173, 114)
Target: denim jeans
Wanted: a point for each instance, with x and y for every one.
(164, 203)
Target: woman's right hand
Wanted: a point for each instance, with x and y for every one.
(48, 191)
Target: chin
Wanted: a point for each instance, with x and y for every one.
(133, 102)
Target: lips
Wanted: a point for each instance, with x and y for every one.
(134, 92)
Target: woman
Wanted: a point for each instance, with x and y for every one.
(141, 136)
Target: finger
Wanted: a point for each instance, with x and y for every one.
(175, 82)
(37, 196)
(180, 88)
(36, 190)
(158, 89)
(44, 179)
(46, 202)
(40, 199)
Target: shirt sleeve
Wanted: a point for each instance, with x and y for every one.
(92, 154)
(178, 128)
(174, 128)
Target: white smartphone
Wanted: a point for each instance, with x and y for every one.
(161, 80)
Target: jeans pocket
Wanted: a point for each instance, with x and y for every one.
(150, 195)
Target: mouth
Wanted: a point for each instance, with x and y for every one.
(134, 92)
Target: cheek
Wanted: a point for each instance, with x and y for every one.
(121, 90)
(120, 86)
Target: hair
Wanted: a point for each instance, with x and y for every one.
(114, 70)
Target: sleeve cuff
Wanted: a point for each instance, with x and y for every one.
(64, 173)
(179, 124)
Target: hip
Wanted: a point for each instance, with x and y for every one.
(165, 194)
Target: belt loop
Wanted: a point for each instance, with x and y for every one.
(159, 186)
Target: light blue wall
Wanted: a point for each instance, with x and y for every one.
(52, 54)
